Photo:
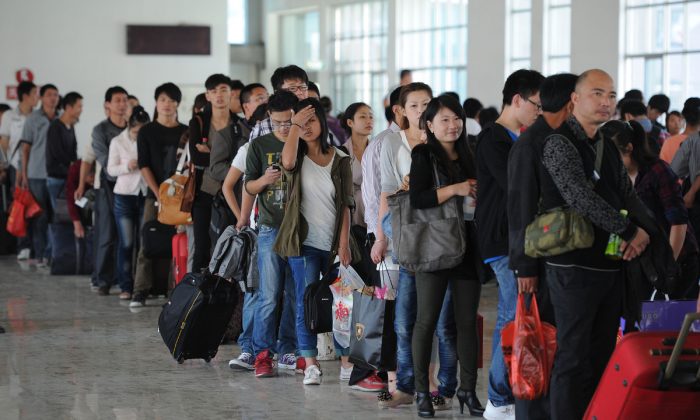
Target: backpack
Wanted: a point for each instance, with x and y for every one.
(235, 257)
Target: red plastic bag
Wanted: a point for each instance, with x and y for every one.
(16, 223)
(31, 207)
(529, 346)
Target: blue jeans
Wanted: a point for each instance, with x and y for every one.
(275, 279)
(446, 331)
(499, 392)
(308, 269)
(39, 226)
(245, 340)
(128, 212)
(55, 186)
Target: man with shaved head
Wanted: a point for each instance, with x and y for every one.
(585, 285)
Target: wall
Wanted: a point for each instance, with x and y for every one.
(81, 45)
(486, 50)
(595, 26)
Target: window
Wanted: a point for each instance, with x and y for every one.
(359, 41)
(237, 22)
(301, 40)
(557, 38)
(432, 42)
(518, 35)
(661, 44)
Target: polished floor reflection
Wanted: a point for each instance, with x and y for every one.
(70, 354)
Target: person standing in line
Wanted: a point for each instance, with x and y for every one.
(11, 128)
(446, 152)
(129, 193)
(34, 168)
(316, 224)
(521, 106)
(117, 105)
(157, 146)
(526, 178)
(61, 145)
(585, 285)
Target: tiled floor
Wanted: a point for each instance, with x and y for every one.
(70, 354)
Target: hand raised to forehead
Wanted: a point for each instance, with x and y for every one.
(303, 116)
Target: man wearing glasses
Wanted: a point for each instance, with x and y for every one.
(521, 107)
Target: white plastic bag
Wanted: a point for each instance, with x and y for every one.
(342, 312)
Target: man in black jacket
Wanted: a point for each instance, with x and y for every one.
(525, 173)
(585, 285)
(521, 106)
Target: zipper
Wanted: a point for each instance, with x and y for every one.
(184, 321)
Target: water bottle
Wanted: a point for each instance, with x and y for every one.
(612, 251)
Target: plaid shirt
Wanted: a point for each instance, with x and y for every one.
(658, 187)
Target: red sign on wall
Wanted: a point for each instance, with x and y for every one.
(11, 93)
(24, 75)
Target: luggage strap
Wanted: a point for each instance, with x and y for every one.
(673, 361)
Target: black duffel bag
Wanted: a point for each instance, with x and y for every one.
(157, 239)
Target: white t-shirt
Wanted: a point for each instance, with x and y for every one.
(318, 203)
(11, 126)
(241, 155)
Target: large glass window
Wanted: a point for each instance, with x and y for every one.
(557, 36)
(301, 40)
(518, 35)
(432, 42)
(360, 55)
(661, 44)
(237, 28)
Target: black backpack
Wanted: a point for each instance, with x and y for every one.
(318, 303)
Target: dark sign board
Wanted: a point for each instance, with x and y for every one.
(175, 40)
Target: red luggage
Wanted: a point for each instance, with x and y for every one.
(651, 375)
(179, 256)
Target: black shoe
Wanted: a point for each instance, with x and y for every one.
(425, 406)
(2, 330)
(469, 398)
(138, 300)
(103, 290)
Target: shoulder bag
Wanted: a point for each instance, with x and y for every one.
(172, 193)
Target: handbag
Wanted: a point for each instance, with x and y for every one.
(188, 194)
(666, 315)
(561, 229)
(367, 330)
(436, 237)
(318, 303)
(157, 239)
(171, 194)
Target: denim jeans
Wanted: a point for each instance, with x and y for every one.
(245, 340)
(499, 388)
(39, 226)
(55, 186)
(128, 212)
(275, 279)
(446, 331)
(308, 269)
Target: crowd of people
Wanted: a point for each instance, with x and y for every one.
(316, 186)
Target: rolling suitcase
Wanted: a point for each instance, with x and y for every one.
(194, 320)
(70, 255)
(651, 375)
(179, 245)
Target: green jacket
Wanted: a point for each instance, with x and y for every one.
(294, 227)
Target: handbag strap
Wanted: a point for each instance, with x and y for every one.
(185, 157)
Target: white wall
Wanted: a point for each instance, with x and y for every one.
(595, 26)
(80, 45)
(486, 51)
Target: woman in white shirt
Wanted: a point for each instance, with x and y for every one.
(129, 193)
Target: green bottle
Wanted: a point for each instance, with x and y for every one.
(612, 251)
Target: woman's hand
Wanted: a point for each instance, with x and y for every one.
(303, 116)
(463, 189)
(133, 164)
(202, 148)
(378, 251)
(345, 256)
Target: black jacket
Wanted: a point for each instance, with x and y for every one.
(525, 172)
(493, 146)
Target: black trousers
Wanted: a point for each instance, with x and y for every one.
(587, 308)
(201, 217)
(687, 287)
(430, 294)
(105, 235)
(538, 409)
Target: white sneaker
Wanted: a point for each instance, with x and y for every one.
(312, 375)
(506, 412)
(345, 373)
(24, 254)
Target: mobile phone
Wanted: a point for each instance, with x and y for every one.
(82, 202)
(276, 166)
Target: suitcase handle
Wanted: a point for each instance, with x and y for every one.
(678, 348)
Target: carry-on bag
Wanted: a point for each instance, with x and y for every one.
(651, 375)
(194, 320)
(318, 303)
(70, 255)
(157, 239)
(171, 194)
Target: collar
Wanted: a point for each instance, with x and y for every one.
(578, 130)
(394, 127)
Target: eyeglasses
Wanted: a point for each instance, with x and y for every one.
(539, 106)
(277, 125)
(295, 89)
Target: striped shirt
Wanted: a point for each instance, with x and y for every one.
(372, 177)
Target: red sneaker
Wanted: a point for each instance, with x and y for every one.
(372, 383)
(301, 365)
(264, 365)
